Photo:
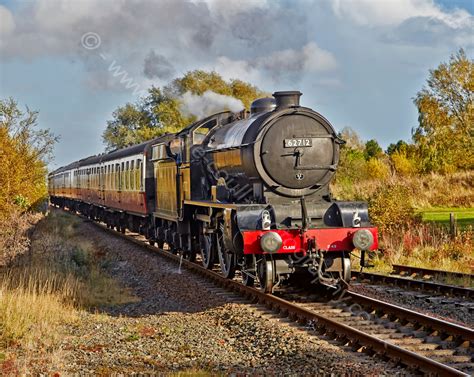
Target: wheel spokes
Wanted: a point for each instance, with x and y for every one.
(249, 271)
(226, 258)
(265, 275)
(207, 253)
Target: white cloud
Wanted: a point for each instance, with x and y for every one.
(310, 58)
(293, 64)
(279, 65)
(55, 27)
(394, 12)
(237, 69)
(227, 9)
(317, 59)
(7, 23)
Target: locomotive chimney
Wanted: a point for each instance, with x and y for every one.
(289, 98)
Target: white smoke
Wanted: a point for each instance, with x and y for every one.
(207, 104)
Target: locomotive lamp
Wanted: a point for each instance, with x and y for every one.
(271, 242)
(363, 239)
(266, 220)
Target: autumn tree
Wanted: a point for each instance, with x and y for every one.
(24, 152)
(372, 149)
(445, 135)
(399, 146)
(161, 110)
(352, 164)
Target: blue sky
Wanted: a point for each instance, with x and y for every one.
(357, 62)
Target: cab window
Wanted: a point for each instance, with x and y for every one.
(200, 133)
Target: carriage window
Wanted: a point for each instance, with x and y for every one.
(117, 177)
(132, 175)
(127, 176)
(111, 177)
(139, 175)
(121, 174)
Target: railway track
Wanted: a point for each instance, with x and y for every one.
(429, 273)
(367, 325)
(415, 284)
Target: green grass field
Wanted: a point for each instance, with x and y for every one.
(464, 216)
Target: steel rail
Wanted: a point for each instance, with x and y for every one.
(344, 333)
(423, 285)
(410, 270)
(412, 316)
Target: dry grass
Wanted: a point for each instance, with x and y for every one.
(429, 246)
(44, 289)
(58, 250)
(430, 190)
(395, 205)
(32, 309)
(14, 232)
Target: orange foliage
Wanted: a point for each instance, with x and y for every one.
(23, 153)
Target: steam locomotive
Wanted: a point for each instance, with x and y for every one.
(246, 191)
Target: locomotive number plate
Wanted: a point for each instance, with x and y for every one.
(298, 142)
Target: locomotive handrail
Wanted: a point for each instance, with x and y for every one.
(317, 167)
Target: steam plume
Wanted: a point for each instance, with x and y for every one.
(207, 104)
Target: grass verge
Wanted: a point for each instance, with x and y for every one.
(464, 216)
(43, 291)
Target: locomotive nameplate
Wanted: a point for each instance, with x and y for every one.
(298, 142)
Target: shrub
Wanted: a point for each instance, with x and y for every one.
(391, 208)
(352, 167)
(403, 165)
(377, 169)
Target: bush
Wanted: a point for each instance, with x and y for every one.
(377, 169)
(391, 208)
(402, 164)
